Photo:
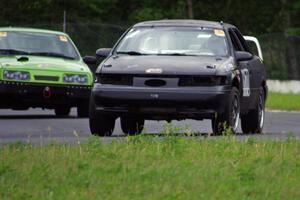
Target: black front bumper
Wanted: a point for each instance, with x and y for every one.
(161, 103)
(24, 95)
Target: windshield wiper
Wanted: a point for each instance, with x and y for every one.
(133, 53)
(52, 54)
(13, 52)
(174, 54)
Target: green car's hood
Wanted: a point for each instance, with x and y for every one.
(43, 63)
(45, 66)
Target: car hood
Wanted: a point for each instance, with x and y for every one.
(167, 65)
(42, 63)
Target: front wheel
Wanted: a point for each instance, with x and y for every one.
(100, 124)
(230, 119)
(132, 126)
(253, 121)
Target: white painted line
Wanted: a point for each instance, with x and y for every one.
(282, 111)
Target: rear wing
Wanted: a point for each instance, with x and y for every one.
(253, 40)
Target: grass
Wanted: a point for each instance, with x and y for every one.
(280, 101)
(147, 167)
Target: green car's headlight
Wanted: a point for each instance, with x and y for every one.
(16, 75)
(75, 78)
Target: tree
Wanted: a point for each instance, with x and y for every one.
(190, 8)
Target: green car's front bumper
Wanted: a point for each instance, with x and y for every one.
(18, 95)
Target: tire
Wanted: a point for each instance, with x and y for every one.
(230, 118)
(100, 124)
(253, 121)
(132, 126)
(83, 109)
(62, 111)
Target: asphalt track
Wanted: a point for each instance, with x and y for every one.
(41, 126)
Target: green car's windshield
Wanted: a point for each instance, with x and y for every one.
(33, 43)
(174, 41)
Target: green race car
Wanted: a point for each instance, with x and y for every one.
(41, 68)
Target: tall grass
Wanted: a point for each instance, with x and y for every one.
(147, 167)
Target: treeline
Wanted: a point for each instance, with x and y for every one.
(99, 23)
(252, 17)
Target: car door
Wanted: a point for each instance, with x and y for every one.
(255, 66)
(247, 78)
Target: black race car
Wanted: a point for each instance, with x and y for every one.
(175, 70)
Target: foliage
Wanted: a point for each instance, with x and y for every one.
(93, 24)
(253, 17)
(281, 55)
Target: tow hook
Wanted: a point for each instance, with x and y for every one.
(47, 92)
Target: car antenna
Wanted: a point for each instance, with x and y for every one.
(222, 24)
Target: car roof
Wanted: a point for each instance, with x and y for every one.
(185, 23)
(35, 30)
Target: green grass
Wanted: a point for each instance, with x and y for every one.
(280, 101)
(152, 168)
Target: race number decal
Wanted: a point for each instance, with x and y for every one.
(246, 82)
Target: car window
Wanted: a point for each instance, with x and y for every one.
(253, 48)
(37, 43)
(241, 40)
(175, 40)
(234, 41)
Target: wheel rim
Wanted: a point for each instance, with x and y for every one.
(261, 111)
(235, 113)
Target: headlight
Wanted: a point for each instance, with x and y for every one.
(16, 75)
(75, 78)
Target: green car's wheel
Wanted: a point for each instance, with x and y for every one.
(62, 111)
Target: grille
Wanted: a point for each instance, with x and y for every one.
(201, 81)
(46, 78)
(115, 79)
(155, 83)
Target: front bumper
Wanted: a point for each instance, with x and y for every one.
(161, 103)
(22, 95)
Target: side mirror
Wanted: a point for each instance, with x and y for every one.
(104, 52)
(89, 60)
(243, 56)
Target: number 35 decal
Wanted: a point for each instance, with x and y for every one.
(246, 82)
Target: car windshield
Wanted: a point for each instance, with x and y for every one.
(33, 43)
(174, 41)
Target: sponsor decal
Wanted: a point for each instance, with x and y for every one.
(154, 71)
(44, 65)
(63, 38)
(3, 34)
(219, 32)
